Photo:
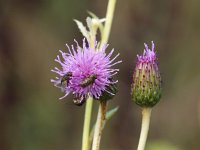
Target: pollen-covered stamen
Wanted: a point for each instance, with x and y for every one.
(112, 74)
(57, 71)
(109, 92)
(66, 93)
(88, 80)
(59, 60)
(110, 54)
(69, 49)
(118, 62)
(113, 82)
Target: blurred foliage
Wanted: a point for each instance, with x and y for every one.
(161, 145)
(32, 32)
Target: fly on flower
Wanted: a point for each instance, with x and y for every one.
(65, 79)
(88, 81)
(79, 101)
(85, 71)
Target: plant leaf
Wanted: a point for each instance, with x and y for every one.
(101, 26)
(111, 112)
(89, 23)
(92, 14)
(82, 29)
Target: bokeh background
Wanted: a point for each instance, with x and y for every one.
(32, 32)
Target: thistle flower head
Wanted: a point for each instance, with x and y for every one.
(146, 87)
(85, 71)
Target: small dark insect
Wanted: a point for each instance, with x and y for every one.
(79, 101)
(65, 79)
(89, 80)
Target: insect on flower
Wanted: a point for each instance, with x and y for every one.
(79, 100)
(65, 79)
(88, 81)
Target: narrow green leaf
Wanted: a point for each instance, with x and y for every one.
(92, 14)
(101, 26)
(82, 29)
(89, 23)
(111, 112)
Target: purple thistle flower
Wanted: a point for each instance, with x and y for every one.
(146, 87)
(85, 71)
(148, 54)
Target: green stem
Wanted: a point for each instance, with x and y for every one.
(86, 126)
(89, 102)
(102, 108)
(88, 110)
(108, 23)
(101, 117)
(146, 114)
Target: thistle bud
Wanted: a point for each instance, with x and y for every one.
(110, 91)
(146, 87)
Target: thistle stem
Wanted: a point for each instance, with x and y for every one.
(86, 126)
(108, 23)
(89, 102)
(146, 114)
(101, 117)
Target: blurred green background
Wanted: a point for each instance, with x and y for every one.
(32, 32)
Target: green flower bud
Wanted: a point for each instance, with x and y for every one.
(146, 87)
